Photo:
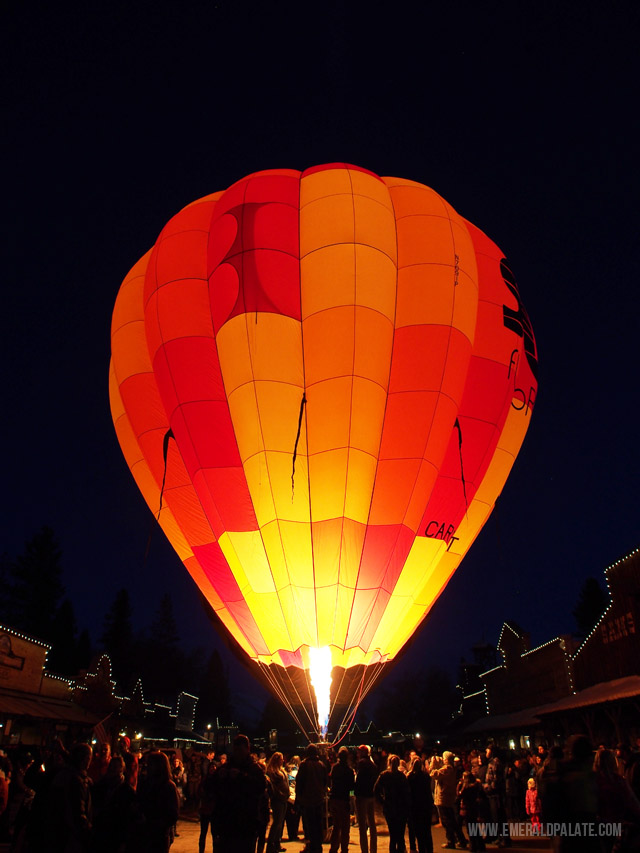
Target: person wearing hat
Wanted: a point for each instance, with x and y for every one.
(445, 799)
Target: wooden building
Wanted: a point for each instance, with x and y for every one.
(35, 705)
(612, 649)
(546, 693)
(528, 677)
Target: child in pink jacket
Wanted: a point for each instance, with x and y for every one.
(533, 804)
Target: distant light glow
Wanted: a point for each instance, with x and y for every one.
(320, 674)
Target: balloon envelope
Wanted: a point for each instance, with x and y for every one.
(320, 382)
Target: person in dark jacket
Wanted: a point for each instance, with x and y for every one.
(69, 804)
(342, 779)
(578, 796)
(240, 788)
(392, 791)
(474, 809)
(421, 805)
(616, 802)
(311, 791)
(550, 788)
(116, 815)
(366, 775)
(206, 796)
(159, 803)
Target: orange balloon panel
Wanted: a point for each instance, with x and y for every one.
(320, 382)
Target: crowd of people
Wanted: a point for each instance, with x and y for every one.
(93, 801)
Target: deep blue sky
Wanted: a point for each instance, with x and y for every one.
(522, 115)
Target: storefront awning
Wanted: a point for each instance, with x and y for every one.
(44, 708)
(499, 722)
(597, 694)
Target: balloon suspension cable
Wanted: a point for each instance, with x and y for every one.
(365, 688)
(350, 705)
(464, 485)
(354, 703)
(343, 730)
(280, 691)
(281, 694)
(310, 718)
(303, 403)
(337, 693)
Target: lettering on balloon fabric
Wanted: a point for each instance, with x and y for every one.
(518, 321)
(441, 530)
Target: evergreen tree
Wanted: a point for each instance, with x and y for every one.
(417, 702)
(36, 586)
(592, 603)
(117, 640)
(163, 664)
(63, 657)
(6, 571)
(214, 695)
(85, 650)
(164, 631)
(276, 716)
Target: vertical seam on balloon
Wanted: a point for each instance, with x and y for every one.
(306, 429)
(306, 426)
(364, 541)
(306, 415)
(255, 392)
(353, 363)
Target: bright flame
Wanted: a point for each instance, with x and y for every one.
(320, 673)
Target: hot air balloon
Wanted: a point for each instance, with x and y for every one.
(320, 381)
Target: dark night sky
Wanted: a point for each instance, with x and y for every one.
(524, 116)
